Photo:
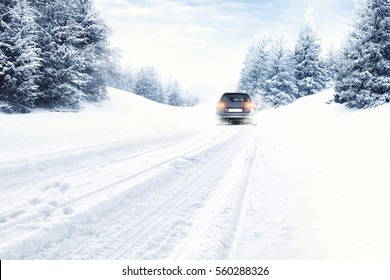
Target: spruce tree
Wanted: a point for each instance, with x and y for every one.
(6, 50)
(148, 84)
(52, 54)
(21, 62)
(332, 64)
(255, 70)
(364, 79)
(173, 93)
(61, 83)
(309, 72)
(90, 38)
(280, 86)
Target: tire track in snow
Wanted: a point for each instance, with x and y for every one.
(208, 175)
(88, 171)
(157, 220)
(82, 173)
(212, 235)
(82, 207)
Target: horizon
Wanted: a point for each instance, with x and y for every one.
(203, 43)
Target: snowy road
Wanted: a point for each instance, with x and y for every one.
(95, 185)
(129, 201)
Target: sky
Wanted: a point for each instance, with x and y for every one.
(203, 43)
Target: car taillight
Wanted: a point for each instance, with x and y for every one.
(221, 105)
(249, 105)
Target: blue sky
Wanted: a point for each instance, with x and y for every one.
(203, 43)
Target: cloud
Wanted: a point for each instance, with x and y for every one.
(205, 41)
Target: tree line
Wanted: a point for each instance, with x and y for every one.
(359, 71)
(146, 81)
(363, 76)
(55, 54)
(52, 54)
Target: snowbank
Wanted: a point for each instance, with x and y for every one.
(336, 161)
(124, 116)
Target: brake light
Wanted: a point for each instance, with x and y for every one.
(249, 105)
(221, 105)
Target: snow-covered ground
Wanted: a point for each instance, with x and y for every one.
(132, 179)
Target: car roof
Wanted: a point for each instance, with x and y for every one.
(243, 93)
(236, 93)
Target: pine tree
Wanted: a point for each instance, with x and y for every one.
(189, 100)
(364, 79)
(90, 38)
(332, 63)
(21, 62)
(148, 84)
(280, 87)
(268, 73)
(6, 45)
(52, 54)
(309, 73)
(173, 93)
(255, 70)
(61, 84)
(116, 75)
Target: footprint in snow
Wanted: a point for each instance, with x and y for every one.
(62, 187)
(10, 216)
(35, 200)
(47, 211)
(67, 210)
(54, 203)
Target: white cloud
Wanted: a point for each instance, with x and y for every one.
(204, 42)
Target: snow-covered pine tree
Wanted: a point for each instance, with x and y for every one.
(116, 75)
(74, 48)
(6, 47)
(90, 38)
(364, 79)
(255, 69)
(52, 53)
(127, 78)
(280, 87)
(21, 62)
(148, 84)
(173, 93)
(63, 66)
(189, 100)
(309, 73)
(332, 62)
(3, 67)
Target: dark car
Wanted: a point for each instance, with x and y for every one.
(236, 107)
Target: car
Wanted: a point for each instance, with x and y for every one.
(236, 107)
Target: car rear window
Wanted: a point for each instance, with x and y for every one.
(235, 97)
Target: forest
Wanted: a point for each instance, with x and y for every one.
(359, 71)
(56, 54)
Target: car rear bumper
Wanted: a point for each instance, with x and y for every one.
(235, 116)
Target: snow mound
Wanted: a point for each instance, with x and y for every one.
(334, 162)
(123, 116)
